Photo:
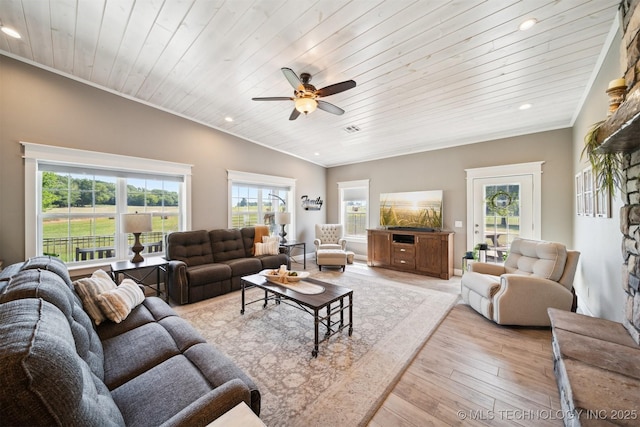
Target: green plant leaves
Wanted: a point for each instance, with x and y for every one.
(607, 167)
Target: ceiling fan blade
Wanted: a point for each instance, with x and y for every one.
(294, 114)
(292, 77)
(336, 88)
(330, 108)
(273, 98)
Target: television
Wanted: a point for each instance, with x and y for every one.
(415, 210)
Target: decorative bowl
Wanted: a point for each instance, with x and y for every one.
(273, 276)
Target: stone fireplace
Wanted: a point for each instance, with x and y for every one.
(597, 361)
(630, 227)
(621, 134)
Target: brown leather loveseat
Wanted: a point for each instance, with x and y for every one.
(204, 264)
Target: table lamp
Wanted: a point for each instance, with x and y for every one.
(136, 224)
(283, 218)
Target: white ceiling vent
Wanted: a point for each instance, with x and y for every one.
(352, 129)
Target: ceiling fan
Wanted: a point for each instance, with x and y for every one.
(306, 95)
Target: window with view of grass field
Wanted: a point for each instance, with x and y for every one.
(256, 198)
(80, 213)
(79, 197)
(253, 205)
(354, 212)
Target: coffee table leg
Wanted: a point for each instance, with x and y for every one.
(328, 325)
(242, 309)
(265, 299)
(316, 321)
(350, 314)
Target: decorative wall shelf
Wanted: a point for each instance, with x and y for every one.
(621, 132)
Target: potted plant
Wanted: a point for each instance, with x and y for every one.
(607, 167)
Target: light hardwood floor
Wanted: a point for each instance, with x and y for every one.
(471, 371)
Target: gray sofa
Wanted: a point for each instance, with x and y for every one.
(204, 264)
(151, 369)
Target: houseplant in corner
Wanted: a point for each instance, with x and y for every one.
(607, 167)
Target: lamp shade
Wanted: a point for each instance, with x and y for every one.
(306, 105)
(136, 223)
(283, 218)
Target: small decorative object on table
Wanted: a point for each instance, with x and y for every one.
(282, 275)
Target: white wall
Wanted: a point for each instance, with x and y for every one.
(598, 281)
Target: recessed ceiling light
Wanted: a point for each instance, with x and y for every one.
(525, 106)
(525, 25)
(228, 119)
(316, 154)
(11, 32)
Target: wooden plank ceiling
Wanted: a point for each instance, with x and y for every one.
(430, 74)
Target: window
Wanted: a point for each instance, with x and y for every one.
(255, 199)
(354, 212)
(77, 204)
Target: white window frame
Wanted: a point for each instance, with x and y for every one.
(343, 185)
(239, 177)
(34, 154)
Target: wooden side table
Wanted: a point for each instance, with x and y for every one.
(156, 265)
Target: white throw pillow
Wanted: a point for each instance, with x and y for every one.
(117, 303)
(89, 288)
(272, 244)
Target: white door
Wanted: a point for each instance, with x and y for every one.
(502, 207)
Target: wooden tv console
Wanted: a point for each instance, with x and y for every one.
(421, 252)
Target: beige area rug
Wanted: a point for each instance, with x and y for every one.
(351, 376)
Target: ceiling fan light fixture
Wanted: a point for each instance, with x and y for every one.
(306, 105)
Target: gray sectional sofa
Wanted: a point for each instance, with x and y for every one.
(152, 369)
(204, 264)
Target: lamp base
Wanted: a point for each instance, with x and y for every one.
(136, 249)
(282, 234)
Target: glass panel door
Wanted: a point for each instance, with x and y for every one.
(502, 212)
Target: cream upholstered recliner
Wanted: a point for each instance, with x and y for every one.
(330, 246)
(535, 276)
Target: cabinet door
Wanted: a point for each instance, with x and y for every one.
(429, 254)
(380, 248)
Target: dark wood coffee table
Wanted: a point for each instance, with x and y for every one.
(332, 299)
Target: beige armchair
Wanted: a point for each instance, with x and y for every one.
(535, 276)
(329, 236)
(330, 246)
